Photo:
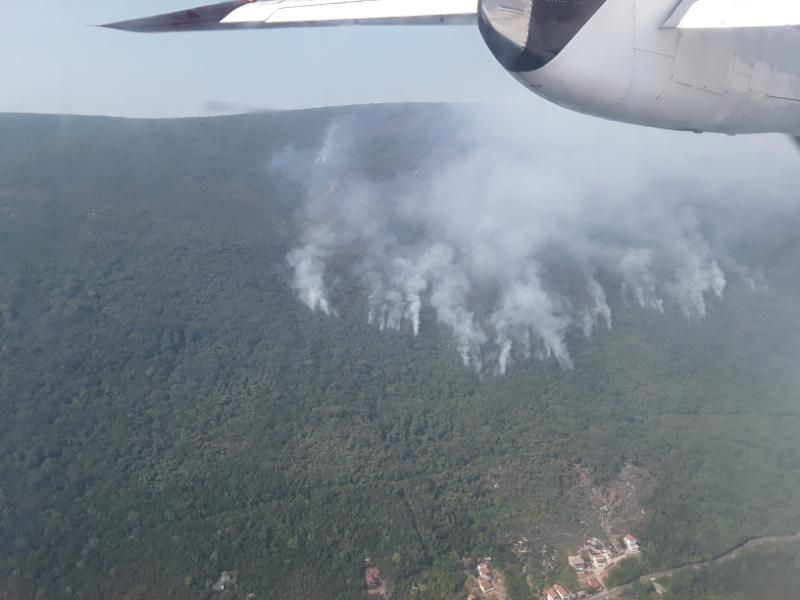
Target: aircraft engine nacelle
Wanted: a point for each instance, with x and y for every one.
(617, 59)
(538, 42)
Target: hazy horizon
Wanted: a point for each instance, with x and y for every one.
(56, 63)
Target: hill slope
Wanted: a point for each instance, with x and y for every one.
(170, 410)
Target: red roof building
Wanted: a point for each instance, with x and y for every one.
(631, 543)
(484, 570)
(372, 580)
(486, 584)
(562, 592)
(557, 592)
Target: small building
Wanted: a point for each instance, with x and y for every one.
(485, 577)
(562, 592)
(486, 584)
(577, 563)
(631, 544)
(599, 560)
(226, 580)
(484, 570)
(372, 578)
(557, 592)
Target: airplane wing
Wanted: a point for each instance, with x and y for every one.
(238, 14)
(734, 14)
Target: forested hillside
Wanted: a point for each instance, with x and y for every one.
(170, 410)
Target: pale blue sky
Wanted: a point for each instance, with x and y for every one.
(51, 61)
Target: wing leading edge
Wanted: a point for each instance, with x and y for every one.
(734, 14)
(267, 14)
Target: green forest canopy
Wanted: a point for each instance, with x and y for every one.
(170, 410)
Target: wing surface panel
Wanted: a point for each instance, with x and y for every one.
(734, 14)
(307, 13)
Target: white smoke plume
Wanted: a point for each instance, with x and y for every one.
(638, 279)
(308, 263)
(526, 307)
(597, 308)
(511, 237)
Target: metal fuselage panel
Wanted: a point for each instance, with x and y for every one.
(620, 64)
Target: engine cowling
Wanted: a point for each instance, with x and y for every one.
(576, 53)
(525, 35)
(616, 59)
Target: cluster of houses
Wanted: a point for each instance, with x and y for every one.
(599, 555)
(591, 563)
(485, 577)
(596, 557)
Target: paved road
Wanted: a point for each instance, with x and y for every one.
(697, 566)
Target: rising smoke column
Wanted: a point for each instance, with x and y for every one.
(490, 222)
(597, 309)
(308, 265)
(525, 307)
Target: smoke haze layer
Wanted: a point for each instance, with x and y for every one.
(514, 230)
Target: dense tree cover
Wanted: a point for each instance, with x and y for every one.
(169, 410)
(767, 572)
